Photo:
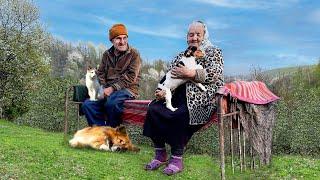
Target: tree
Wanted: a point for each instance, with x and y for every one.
(22, 57)
(257, 74)
(58, 51)
(317, 73)
(74, 64)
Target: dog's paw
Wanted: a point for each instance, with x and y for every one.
(115, 148)
(104, 147)
(73, 143)
(173, 109)
(169, 106)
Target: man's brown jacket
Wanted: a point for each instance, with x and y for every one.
(122, 71)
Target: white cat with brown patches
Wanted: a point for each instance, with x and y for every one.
(95, 90)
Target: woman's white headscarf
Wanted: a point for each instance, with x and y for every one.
(206, 41)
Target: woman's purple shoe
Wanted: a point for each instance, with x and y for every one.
(175, 166)
(159, 160)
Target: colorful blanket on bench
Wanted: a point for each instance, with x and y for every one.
(254, 92)
(135, 112)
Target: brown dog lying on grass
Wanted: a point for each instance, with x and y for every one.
(103, 138)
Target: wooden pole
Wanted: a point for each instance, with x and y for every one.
(78, 116)
(240, 147)
(221, 138)
(252, 157)
(244, 150)
(231, 145)
(66, 101)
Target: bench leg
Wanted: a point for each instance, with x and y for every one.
(66, 103)
(78, 116)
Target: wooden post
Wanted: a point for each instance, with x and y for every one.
(231, 145)
(78, 115)
(232, 110)
(221, 137)
(66, 101)
(244, 150)
(252, 157)
(240, 147)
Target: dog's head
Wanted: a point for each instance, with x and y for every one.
(193, 51)
(190, 51)
(91, 72)
(121, 141)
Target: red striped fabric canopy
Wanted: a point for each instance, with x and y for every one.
(254, 92)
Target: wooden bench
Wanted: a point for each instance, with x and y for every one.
(226, 113)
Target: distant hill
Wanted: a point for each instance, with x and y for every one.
(272, 75)
(287, 70)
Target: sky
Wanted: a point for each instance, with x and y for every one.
(251, 33)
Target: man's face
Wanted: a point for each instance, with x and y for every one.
(195, 35)
(120, 42)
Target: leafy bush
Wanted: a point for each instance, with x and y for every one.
(205, 141)
(47, 105)
(22, 58)
(297, 129)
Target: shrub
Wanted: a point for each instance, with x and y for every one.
(297, 128)
(47, 104)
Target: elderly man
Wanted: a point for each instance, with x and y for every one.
(119, 74)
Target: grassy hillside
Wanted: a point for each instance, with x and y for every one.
(288, 70)
(29, 153)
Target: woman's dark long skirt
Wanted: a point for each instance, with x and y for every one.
(171, 127)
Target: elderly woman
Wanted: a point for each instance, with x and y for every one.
(195, 107)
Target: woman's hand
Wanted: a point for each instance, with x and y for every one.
(160, 94)
(180, 72)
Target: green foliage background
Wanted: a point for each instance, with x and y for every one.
(297, 128)
(36, 70)
(47, 104)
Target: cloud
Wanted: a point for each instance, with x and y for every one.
(216, 24)
(60, 37)
(295, 59)
(244, 4)
(314, 16)
(172, 31)
(151, 10)
(236, 69)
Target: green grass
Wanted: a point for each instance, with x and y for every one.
(29, 153)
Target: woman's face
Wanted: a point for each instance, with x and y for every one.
(195, 35)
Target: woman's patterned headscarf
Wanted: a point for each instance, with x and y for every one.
(206, 41)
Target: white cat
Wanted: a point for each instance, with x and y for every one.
(169, 84)
(95, 90)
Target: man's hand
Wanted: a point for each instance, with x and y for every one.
(180, 72)
(160, 94)
(108, 91)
